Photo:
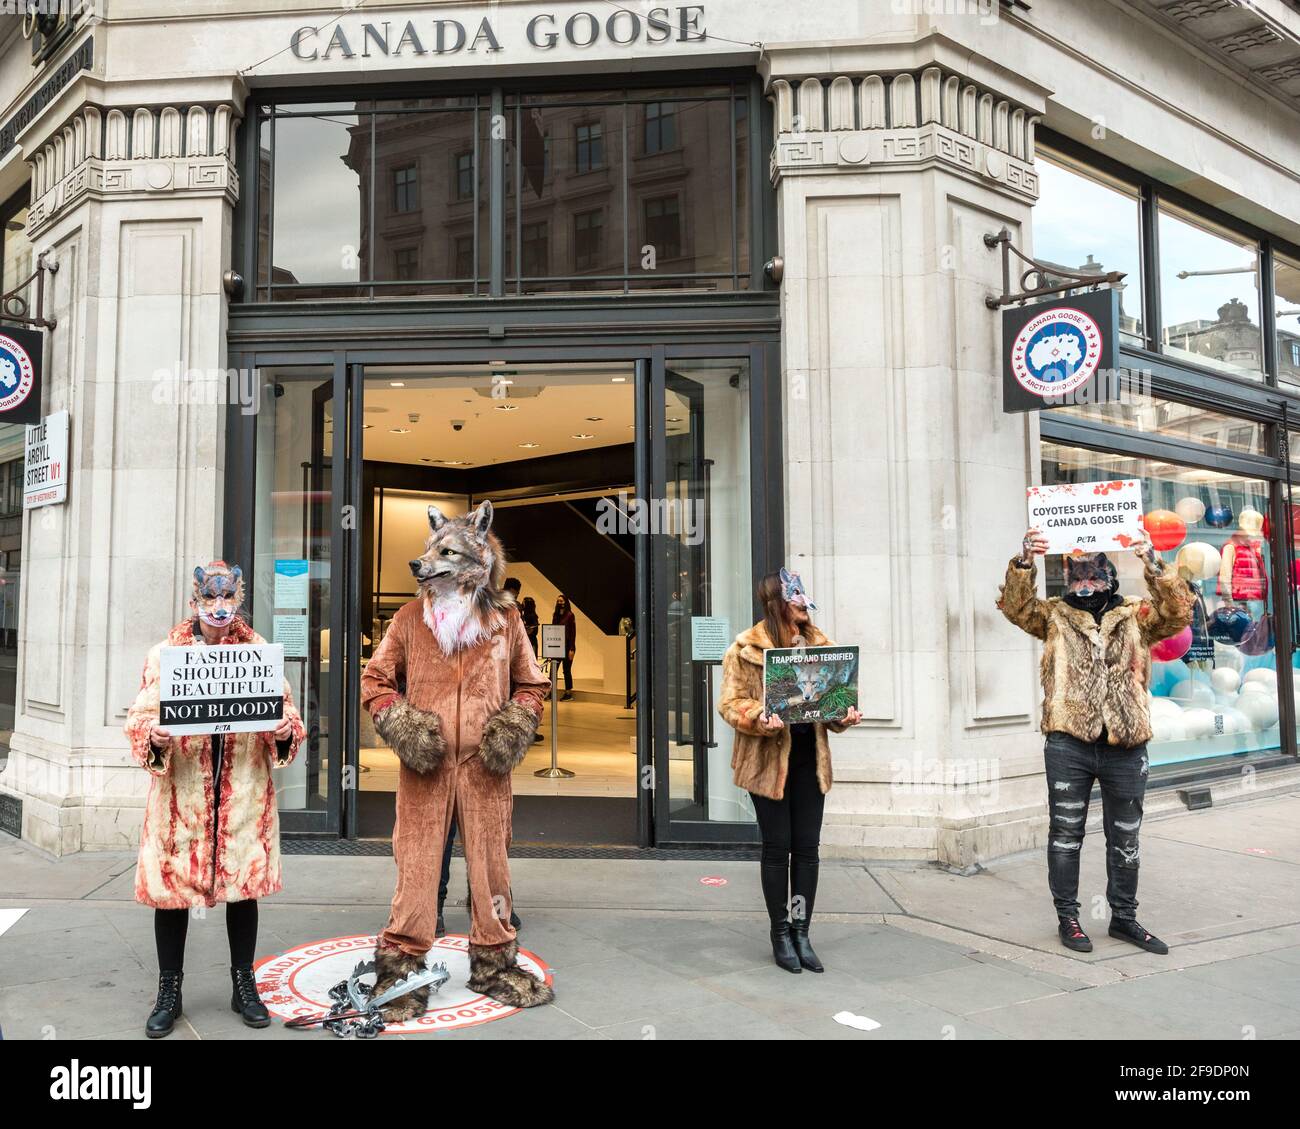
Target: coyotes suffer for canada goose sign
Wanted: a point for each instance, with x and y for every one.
(1060, 352)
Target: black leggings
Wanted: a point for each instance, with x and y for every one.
(791, 828)
(171, 925)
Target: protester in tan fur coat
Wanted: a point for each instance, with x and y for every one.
(785, 769)
(211, 829)
(1096, 670)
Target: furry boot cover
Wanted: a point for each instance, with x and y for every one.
(392, 965)
(494, 971)
(507, 736)
(414, 735)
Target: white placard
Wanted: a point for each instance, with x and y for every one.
(1088, 517)
(291, 584)
(232, 688)
(553, 641)
(290, 631)
(710, 638)
(45, 463)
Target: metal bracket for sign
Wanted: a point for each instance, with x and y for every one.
(14, 306)
(1039, 272)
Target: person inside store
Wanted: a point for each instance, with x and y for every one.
(532, 622)
(564, 614)
(211, 828)
(1096, 670)
(786, 769)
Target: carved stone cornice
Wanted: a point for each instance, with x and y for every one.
(902, 120)
(134, 154)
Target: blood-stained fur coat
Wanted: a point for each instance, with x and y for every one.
(760, 759)
(1095, 674)
(182, 863)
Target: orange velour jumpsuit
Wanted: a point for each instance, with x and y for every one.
(465, 690)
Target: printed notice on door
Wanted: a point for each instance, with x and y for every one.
(233, 688)
(1088, 517)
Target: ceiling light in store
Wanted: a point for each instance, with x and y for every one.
(582, 435)
(529, 445)
(594, 419)
(399, 431)
(507, 407)
(498, 363)
(397, 384)
(674, 419)
(367, 426)
(618, 379)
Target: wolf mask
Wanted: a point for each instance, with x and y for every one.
(792, 590)
(218, 593)
(1089, 575)
(460, 574)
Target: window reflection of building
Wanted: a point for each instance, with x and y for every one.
(602, 191)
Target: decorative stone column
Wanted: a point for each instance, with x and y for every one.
(134, 201)
(905, 483)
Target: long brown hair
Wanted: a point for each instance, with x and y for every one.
(772, 600)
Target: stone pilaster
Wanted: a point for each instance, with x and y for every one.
(904, 480)
(134, 201)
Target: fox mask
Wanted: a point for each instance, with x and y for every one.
(460, 574)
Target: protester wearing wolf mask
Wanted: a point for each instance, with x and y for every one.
(1096, 670)
(211, 829)
(473, 696)
(785, 769)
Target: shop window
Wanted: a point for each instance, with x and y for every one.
(1209, 295)
(1087, 223)
(19, 259)
(406, 189)
(463, 256)
(535, 245)
(1173, 420)
(660, 127)
(465, 176)
(588, 147)
(406, 262)
(663, 226)
(588, 227)
(1286, 291)
(1214, 686)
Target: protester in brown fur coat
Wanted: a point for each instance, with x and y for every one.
(455, 690)
(785, 769)
(1096, 670)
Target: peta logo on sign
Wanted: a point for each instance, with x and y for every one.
(17, 373)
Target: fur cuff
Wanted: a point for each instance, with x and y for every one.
(494, 972)
(392, 965)
(414, 735)
(507, 736)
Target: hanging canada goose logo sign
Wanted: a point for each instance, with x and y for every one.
(1059, 352)
(20, 368)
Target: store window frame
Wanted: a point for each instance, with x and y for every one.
(10, 208)
(498, 273)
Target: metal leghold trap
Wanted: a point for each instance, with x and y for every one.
(354, 1013)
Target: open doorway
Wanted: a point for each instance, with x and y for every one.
(553, 447)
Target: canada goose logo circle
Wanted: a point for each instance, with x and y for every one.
(1056, 352)
(17, 373)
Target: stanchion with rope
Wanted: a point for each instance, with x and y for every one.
(554, 643)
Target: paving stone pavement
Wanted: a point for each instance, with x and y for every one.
(644, 949)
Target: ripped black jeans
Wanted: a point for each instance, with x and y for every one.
(1072, 768)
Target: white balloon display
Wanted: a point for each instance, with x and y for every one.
(1168, 728)
(1198, 722)
(1192, 693)
(1229, 656)
(1261, 674)
(1225, 680)
(1198, 561)
(1191, 510)
(1260, 709)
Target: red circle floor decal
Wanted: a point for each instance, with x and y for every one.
(298, 983)
(713, 880)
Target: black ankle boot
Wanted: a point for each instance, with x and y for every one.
(783, 951)
(803, 950)
(244, 999)
(1072, 935)
(1126, 929)
(167, 1007)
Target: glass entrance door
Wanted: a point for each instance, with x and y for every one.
(702, 589)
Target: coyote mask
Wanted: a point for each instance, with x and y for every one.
(460, 574)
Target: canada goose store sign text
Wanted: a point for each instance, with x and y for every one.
(1061, 352)
(377, 39)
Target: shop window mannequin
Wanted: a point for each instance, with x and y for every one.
(1242, 576)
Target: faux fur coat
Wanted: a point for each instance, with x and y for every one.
(760, 760)
(1097, 675)
(191, 854)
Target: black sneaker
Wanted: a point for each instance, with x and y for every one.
(1127, 929)
(1072, 935)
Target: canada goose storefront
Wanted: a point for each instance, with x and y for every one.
(686, 292)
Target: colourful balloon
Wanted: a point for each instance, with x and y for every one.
(1165, 529)
(1175, 647)
(1219, 516)
(1190, 509)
